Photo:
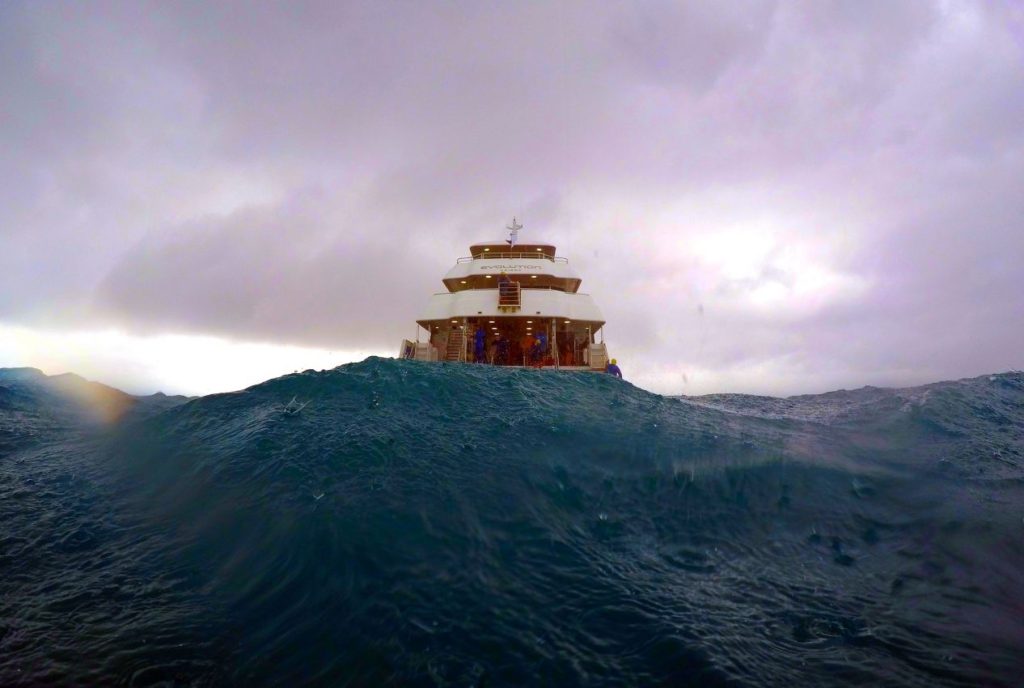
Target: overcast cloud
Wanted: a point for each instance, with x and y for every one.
(762, 197)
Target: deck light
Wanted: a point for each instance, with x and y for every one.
(566, 322)
(533, 276)
(454, 321)
(538, 249)
(487, 249)
(529, 322)
(488, 276)
(491, 322)
(463, 281)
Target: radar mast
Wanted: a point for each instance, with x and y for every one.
(513, 232)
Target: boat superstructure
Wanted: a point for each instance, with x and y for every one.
(513, 303)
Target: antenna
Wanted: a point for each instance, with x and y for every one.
(513, 232)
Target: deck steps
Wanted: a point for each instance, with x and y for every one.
(456, 350)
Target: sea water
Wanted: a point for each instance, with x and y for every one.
(461, 525)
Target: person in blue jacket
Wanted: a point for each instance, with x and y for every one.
(613, 369)
(479, 344)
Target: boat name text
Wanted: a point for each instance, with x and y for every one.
(508, 267)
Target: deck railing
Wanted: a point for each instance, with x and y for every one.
(513, 256)
(522, 286)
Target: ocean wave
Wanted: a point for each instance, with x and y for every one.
(452, 524)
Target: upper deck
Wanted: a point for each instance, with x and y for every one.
(531, 270)
(499, 249)
(533, 264)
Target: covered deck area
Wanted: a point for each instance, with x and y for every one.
(520, 340)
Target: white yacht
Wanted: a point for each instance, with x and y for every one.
(512, 303)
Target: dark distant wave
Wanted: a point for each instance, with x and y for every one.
(460, 525)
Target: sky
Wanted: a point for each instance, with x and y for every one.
(762, 197)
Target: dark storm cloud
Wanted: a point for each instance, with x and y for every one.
(818, 194)
(293, 273)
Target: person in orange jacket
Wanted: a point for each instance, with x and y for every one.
(526, 344)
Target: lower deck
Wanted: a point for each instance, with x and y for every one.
(510, 341)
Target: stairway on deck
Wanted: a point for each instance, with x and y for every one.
(456, 350)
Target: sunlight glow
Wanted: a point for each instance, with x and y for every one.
(174, 364)
(762, 272)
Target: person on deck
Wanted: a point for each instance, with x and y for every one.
(526, 344)
(613, 369)
(566, 355)
(479, 344)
